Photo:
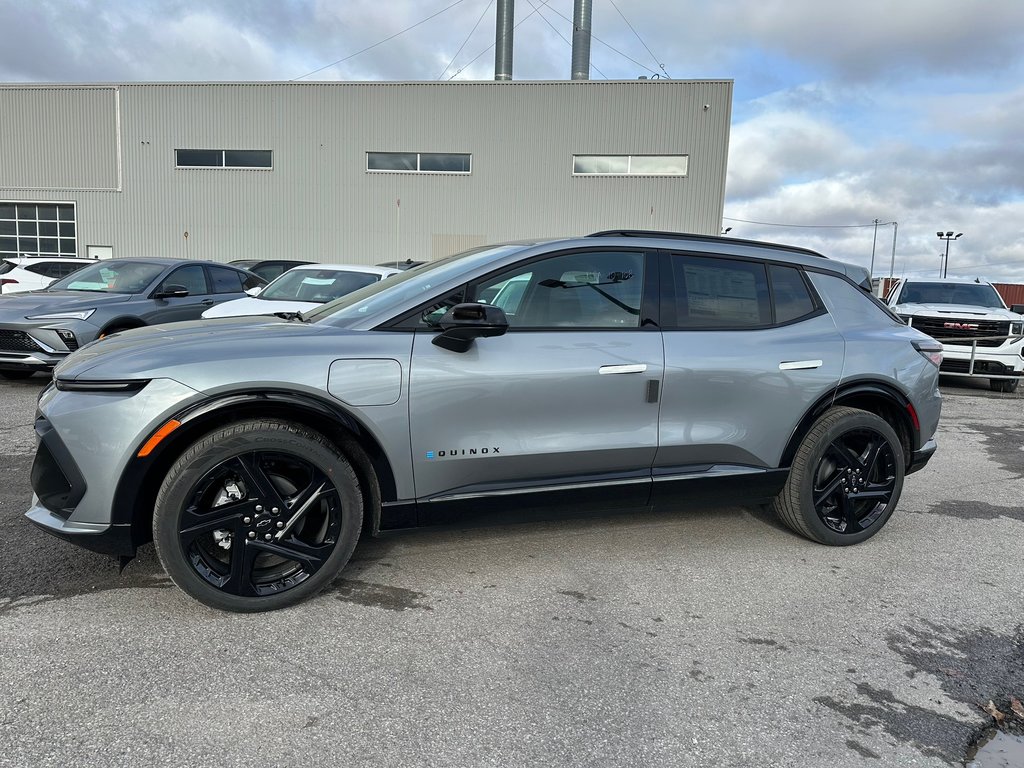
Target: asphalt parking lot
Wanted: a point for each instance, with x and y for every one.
(714, 638)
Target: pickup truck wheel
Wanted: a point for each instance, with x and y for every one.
(257, 515)
(1003, 385)
(845, 480)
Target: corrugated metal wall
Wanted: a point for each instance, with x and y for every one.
(62, 138)
(1012, 293)
(319, 202)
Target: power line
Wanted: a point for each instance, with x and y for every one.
(567, 41)
(486, 9)
(660, 65)
(607, 45)
(485, 50)
(809, 226)
(370, 47)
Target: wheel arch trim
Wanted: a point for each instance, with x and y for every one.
(142, 477)
(866, 389)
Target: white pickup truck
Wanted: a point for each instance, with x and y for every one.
(960, 310)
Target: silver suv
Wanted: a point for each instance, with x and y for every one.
(624, 369)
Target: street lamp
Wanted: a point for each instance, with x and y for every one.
(947, 236)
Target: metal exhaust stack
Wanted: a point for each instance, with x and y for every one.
(581, 40)
(504, 24)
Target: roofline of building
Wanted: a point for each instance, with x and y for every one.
(365, 83)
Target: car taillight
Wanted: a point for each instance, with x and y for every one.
(930, 349)
(6, 280)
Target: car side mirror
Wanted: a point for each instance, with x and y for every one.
(465, 322)
(1018, 308)
(255, 291)
(171, 292)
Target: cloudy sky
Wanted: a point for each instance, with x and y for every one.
(908, 111)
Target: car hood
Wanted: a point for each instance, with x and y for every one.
(229, 354)
(956, 310)
(44, 302)
(256, 306)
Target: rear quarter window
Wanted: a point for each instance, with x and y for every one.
(849, 305)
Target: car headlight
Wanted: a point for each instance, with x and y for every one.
(1017, 329)
(82, 314)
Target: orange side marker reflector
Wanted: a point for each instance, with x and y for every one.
(158, 437)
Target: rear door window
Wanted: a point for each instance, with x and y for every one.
(706, 292)
(226, 280)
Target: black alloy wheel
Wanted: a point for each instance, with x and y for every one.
(855, 480)
(845, 480)
(257, 516)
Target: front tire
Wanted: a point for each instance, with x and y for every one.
(1003, 385)
(257, 515)
(846, 478)
(16, 375)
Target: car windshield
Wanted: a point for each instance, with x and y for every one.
(319, 285)
(971, 294)
(111, 276)
(398, 290)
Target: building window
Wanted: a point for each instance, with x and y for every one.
(224, 158)
(419, 162)
(630, 165)
(37, 229)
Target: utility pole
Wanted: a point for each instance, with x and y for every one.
(874, 239)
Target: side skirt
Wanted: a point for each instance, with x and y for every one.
(670, 488)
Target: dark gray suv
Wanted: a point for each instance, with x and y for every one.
(624, 369)
(40, 328)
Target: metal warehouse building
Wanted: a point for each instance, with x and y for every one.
(355, 172)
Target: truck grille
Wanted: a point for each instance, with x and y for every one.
(18, 341)
(936, 328)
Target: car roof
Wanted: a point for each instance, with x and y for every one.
(248, 263)
(363, 268)
(948, 280)
(26, 259)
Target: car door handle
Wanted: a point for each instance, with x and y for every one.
(207, 302)
(800, 365)
(631, 368)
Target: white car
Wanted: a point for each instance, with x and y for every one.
(303, 288)
(30, 273)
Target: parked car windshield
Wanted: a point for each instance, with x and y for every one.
(397, 290)
(973, 294)
(319, 285)
(111, 276)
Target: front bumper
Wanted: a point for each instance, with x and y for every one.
(87, 441)
(1001, 361)
(105, 539)
(39, 346)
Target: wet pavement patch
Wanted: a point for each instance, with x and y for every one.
(996, 749)
(1003, 444)
(378, 595)
(971, 667)
(975, 510)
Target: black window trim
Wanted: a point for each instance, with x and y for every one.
(668, 298)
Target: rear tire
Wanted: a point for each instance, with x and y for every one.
(257, 515)
(846, 478)
(1003, 385)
